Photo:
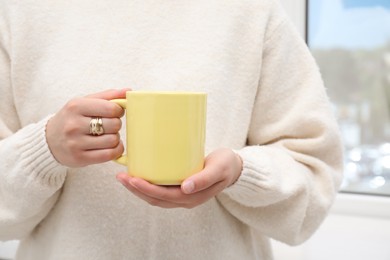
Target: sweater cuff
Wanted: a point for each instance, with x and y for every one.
(255, 181)
(36, 157)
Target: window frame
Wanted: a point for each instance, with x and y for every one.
(307, 40)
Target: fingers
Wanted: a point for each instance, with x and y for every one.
(97, 104)
(110, 94)
(124, 179)
(167, 196)
(68, 131)
(106, 141)
(101, 155)
(93, 107)
(222, 168)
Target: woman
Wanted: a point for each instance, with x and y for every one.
(274, 157)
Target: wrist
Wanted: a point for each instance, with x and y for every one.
(238, 168)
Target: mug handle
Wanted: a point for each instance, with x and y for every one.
(123, 158)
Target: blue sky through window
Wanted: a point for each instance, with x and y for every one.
(355, 24)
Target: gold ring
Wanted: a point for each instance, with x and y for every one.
(96, 126)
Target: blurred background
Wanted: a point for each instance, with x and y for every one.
(350, 40)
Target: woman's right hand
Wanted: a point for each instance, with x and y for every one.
(68, 136)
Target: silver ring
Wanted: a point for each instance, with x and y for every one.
(96, 126)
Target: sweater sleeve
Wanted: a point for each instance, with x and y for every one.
(30, 177)
(292, 164)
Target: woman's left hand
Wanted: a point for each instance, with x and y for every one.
(222, 169)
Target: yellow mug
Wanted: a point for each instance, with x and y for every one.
(165, 135)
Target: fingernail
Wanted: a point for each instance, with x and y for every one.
(188, 187)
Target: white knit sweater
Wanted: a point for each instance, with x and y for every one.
(266, 100)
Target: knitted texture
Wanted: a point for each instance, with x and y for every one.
(266, 100)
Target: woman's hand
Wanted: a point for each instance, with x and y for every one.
(222, 168)
(67, 132)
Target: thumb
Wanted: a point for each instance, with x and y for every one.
(200, 181)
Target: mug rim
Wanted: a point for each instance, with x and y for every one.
(163, 92)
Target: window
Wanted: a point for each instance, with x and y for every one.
(350, 40)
